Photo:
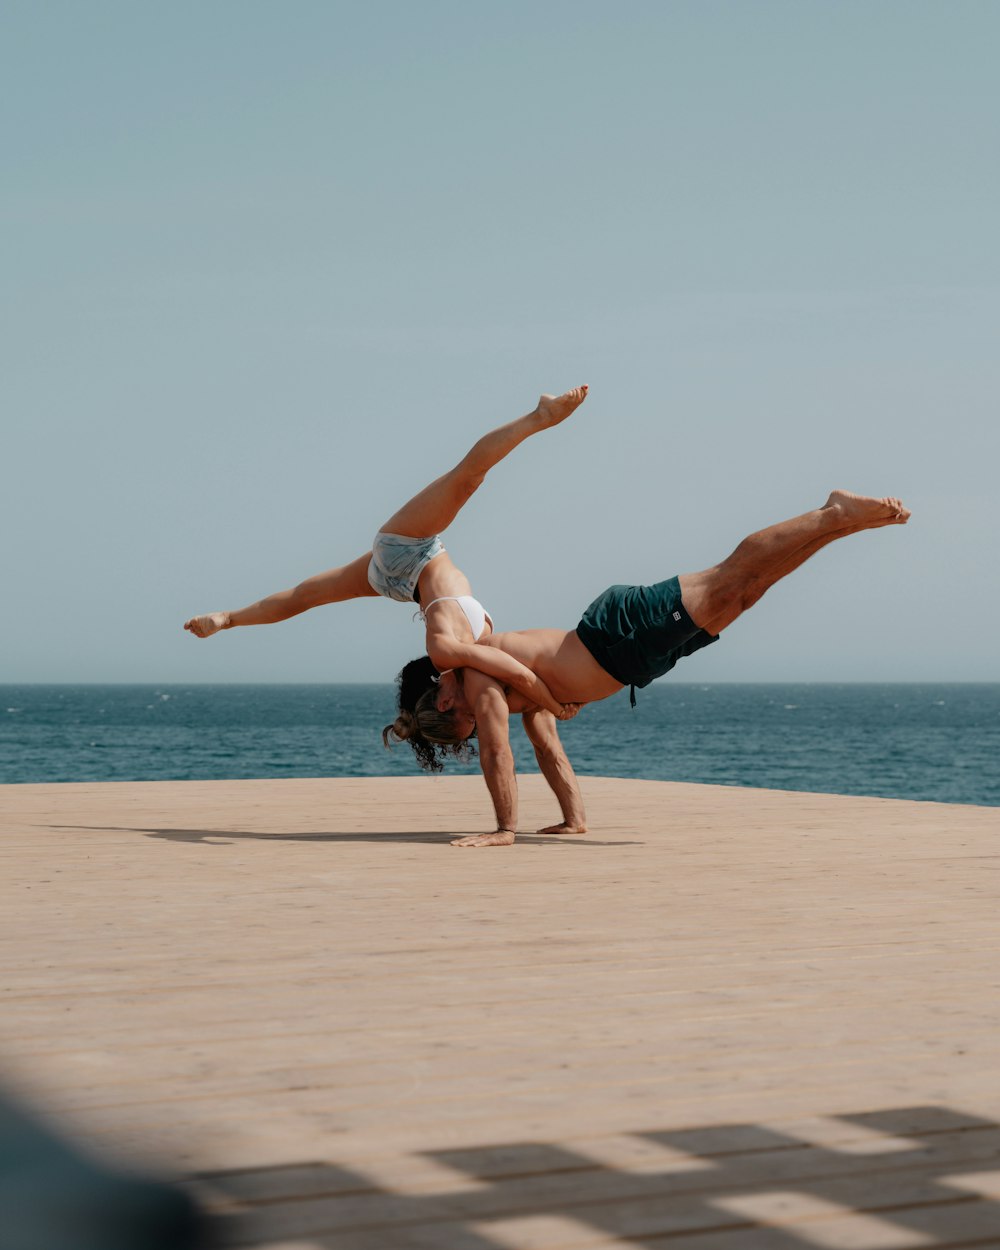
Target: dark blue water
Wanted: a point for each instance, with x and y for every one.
(939, 742)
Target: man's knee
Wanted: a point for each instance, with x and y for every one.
(723, 598)
(746, 595)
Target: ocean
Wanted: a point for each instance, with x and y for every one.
(937, 742)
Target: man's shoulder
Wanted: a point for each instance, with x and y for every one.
(483, 692)
(481, 685)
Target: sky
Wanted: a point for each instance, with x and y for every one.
(267, 269)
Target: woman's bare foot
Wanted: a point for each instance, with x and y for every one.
(502, 837)
(206, 626)
(867, 511)
(555, 408)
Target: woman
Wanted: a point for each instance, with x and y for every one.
(408, 563)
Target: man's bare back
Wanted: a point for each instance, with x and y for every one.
(561, 660)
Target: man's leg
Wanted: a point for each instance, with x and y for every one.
(715, 597)
(436, 506)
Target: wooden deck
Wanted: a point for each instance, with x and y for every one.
(724, 1020)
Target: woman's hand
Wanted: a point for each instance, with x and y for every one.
(568, 710)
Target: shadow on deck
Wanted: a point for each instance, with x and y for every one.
(911, 1176)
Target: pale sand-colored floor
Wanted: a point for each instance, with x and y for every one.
(725, 1019)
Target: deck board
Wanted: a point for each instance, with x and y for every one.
(725, 1018)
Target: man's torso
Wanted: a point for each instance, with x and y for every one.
(561, 660)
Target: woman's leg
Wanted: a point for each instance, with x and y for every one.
(716, 597)
(437, 505)
(334, 586)
(428, 513)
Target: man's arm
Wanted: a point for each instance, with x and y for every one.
(552, 759)
(489, 705)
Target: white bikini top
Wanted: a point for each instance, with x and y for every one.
(475, 613)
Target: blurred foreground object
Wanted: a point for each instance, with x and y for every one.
(54, 1197)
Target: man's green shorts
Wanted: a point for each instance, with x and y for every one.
(638, 633)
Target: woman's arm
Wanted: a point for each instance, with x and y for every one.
(446, 652)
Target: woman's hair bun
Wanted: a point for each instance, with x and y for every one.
(432, 735)
(403, 727)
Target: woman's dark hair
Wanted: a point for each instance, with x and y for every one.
(415, 679)
(431, 734)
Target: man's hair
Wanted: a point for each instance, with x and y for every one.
(432, 735)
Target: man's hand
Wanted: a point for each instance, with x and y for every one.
(565, 827)
(502, 837)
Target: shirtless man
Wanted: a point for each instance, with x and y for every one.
(627, 637)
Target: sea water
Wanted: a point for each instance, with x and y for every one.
(938, 742)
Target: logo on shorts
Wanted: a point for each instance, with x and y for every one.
(677, 616)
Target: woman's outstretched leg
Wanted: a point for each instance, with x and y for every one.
(428, 513)
(716, 597)
(436, 506)
(334, 586)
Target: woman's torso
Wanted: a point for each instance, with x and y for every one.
(443, 581)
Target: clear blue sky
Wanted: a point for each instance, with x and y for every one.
(268, 268)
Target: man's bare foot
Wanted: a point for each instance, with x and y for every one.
(206, 626)
(867, 511)
(555, 408)
(563, 828)
(502, 837)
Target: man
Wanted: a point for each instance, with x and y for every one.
(628, 636)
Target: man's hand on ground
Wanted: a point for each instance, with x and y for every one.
(502, 837)
(563, 828)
